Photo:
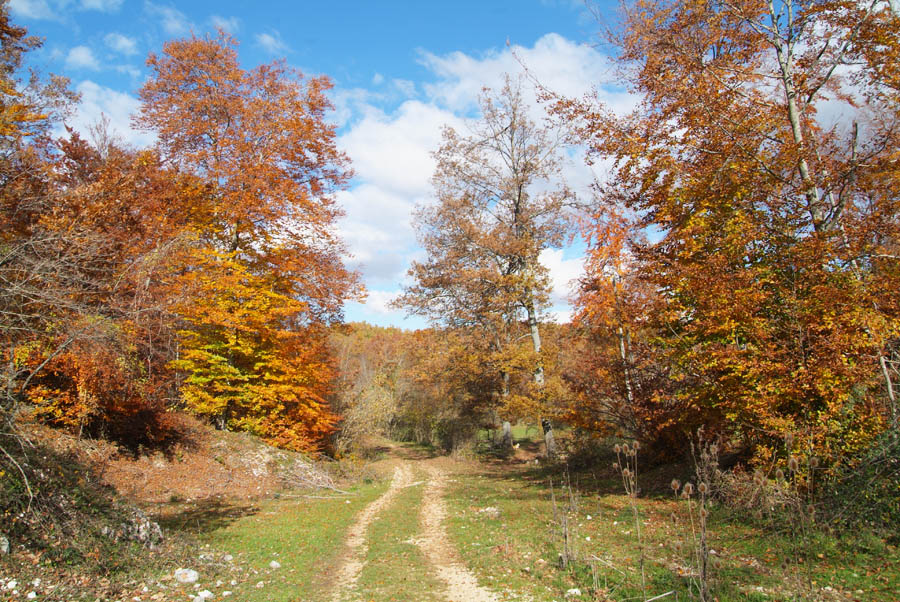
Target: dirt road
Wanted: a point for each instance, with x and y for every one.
(458, 583)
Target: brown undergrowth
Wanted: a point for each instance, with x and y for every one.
(70, 508)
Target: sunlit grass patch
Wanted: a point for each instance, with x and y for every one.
(303, 535)
(521, 550)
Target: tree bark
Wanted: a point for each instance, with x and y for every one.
(890, 392)
(507, 440)
(549, 439)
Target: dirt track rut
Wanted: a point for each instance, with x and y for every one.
(459, 583)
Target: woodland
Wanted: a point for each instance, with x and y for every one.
(740, 284)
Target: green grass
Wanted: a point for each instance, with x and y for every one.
(304, 535)
(520, 550)
(395, 566)
(520, 432)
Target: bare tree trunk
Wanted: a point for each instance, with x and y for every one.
(624, 355)
(507, 440)
(549, 439)
(892, 399)
(784, 51)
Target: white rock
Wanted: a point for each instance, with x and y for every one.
(573, 592)
(4, 544)
(36, 583)
(31, 595)
(588, 538)
(275, 564)
(206, 595)
(261, 584)
(227, 557)
(233, 582)
(589, 517)
(12, 584)
(226, 593)
(491, 512)
(186, 575)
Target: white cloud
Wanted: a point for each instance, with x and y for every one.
(561, 316)
(391, 154)
(129, 70)
(564, 273)
(106, 6)
(97, 100)
(351, 104)
(377, 79)
(173, 21)
(379, 301)
(558, 64)
(32, 9)
(271, 42)
(406, 87)
(229, 24)
(121, 43)
(82, 57)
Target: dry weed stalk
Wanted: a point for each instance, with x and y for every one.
(627, 465)
(697, 499)
(561, 519)
(798, 500)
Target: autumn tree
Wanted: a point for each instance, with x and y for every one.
(500, 202)
(373, 366)
(761, 162)
(121, 221)
(87, 236)
(615, 370)
(32, 260)
(268, 273)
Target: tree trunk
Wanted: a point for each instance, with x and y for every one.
(810, 190)
(892, 400)
(549, 440)
(507, 441)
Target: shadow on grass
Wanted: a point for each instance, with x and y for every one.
(204, 516)
(587, 470)
(416, 451)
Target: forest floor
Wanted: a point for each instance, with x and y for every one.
(418, 526)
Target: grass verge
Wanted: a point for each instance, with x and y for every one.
(520, 550)
(303, 535)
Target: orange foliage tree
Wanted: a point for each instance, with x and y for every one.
(772, 225)
(267, 271)
(500, 203)
(105, 244)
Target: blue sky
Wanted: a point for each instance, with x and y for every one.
(401, 71)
